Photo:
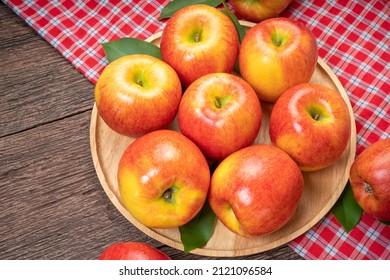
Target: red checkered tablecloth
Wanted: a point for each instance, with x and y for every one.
(353, 38)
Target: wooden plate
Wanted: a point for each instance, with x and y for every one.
(321, 191)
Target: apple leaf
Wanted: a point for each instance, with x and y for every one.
(176, 5)
(240, 29)
(385, 223)
(124, 46)
(197, 232)
(346, 210)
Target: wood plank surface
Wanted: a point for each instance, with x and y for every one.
(52, 205)
(37, 85)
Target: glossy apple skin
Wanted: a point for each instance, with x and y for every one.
(370, 180)
(313, 144)
(215, 51)
(132, 251)
(271, 69)
(155, 164)
(220, 130)
(259, 10)
(137, 94)
(256, 190)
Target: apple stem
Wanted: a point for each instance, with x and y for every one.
(316, 117)
(368, 188)
(167, 195)
(139, 82)
(217, 102)
(278, 39)
(197, 37)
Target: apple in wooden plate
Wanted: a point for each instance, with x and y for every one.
(256, 190)
(370, 180)
(258, 10)
(277, 54)
(132, 251)
(312, 124)
(198, 40)
(220, 113)
(137, 94)
(163, 179)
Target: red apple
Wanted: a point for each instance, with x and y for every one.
(256, 190)
(370, 180)
(258, 10)
(163, 179)
(198, 40)
(132, 251)
(220, 113)
(277, 54)
(312, 124)
(137, 94)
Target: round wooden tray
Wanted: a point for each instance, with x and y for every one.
(321, 191)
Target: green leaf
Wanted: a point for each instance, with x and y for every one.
(240, 29)
(199, 230)
(385, 222)
(346, 210)
(118, 48)
(176, 5)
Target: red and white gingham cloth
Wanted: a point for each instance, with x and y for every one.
(353, 38)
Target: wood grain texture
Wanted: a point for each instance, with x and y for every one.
(52, 205)
(36, 81)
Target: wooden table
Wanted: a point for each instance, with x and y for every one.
(52, 205)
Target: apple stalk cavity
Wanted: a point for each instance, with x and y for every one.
(368, 188)
(168, 195)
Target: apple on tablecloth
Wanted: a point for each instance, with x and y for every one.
(370, 180)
